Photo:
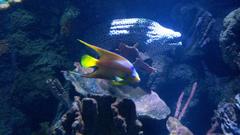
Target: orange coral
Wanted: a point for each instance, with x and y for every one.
(134, 55)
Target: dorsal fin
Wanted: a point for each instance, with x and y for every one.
(105, 54)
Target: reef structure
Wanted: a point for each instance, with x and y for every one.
(230, 40)
(227, 118)
(174, 124)
(155, 107)
(102, 115)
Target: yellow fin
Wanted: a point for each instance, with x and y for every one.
(88, 61)
(119, 83)
(105, 54)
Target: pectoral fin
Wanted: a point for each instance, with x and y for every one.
(119, 83)
(118, 79)
(100, 74)
(94, 74)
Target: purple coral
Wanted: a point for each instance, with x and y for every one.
(179, 114)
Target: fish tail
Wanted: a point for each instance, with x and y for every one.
(88, 61)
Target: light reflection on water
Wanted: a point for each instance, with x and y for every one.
(154, 31)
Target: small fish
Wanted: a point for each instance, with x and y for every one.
(110, 66)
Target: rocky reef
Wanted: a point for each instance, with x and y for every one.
(229, 39)
(226, 119)
(99, 115)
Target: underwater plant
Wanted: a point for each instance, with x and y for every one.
(227, 118)
(67, 19)
(133, 54)
(173, 124)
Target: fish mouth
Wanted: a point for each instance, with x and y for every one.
(137, 79)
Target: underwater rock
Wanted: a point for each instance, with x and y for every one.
(127, 109)
(162, 66)
(196, 26)
(71, 122)
(66, 21)
(89, 115)
(82, 85)
(176, 128)
(21, 19)
(11, 119)
(156, 108)
(223, 88)
(101, 115)
(227, 116)
(36, 57)
(183, 74)
(230, 39)
(59, 92)
(151, 105)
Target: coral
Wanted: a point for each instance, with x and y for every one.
(36, 54)
(71, 122)
(82, 85)
(229, 39)
(129, 52)
(227, 117)
(44, 129)
(135, 56)
(174, 125)
(176, 128)
(11, 119)
(155, 107)
(223, 88)
(196, 25)
(184, 109)
(67, 19)
(59, 92)
(162, 66)
(182, 73)
(21, 19)
(151, 105)
(101, 115)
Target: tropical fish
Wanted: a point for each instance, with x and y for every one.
(109, 66)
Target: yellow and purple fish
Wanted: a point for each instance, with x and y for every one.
(109, 66)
